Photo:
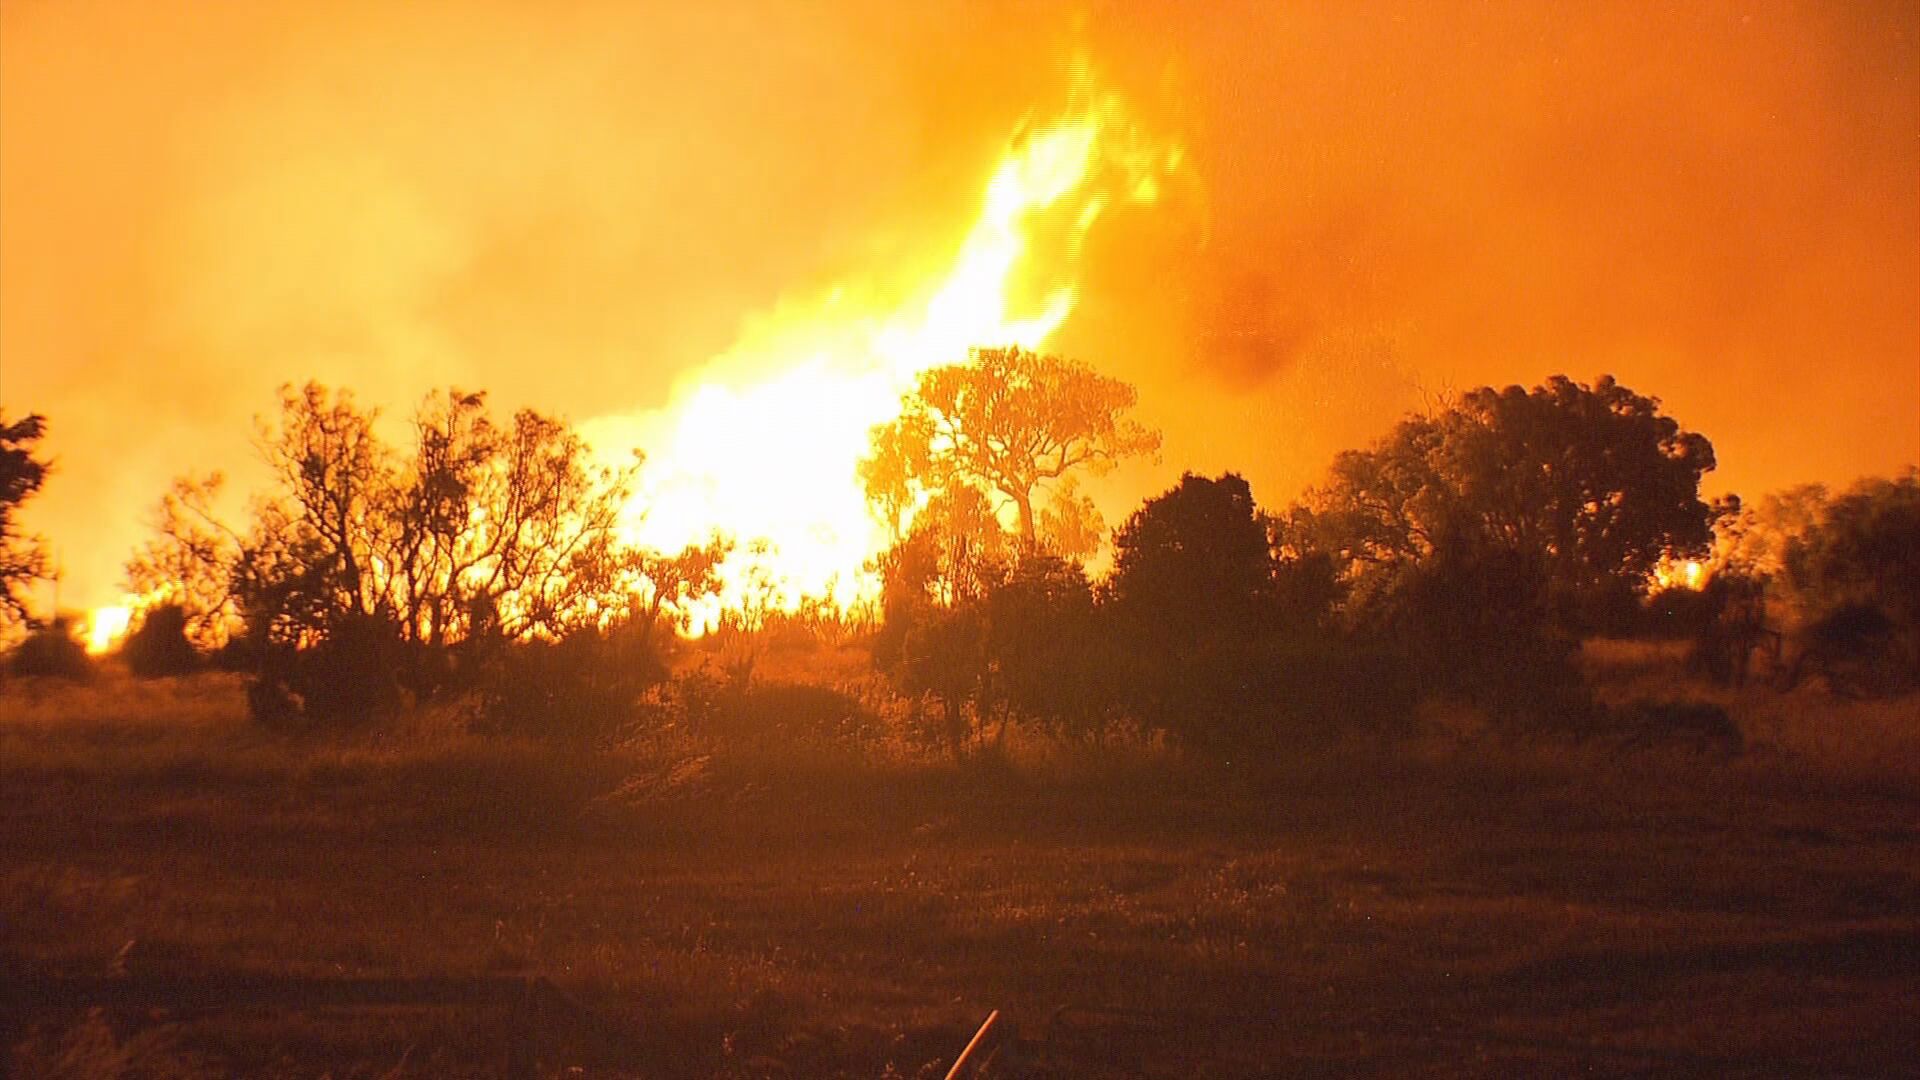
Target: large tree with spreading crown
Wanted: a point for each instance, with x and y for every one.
(1593, 484)
(1016, 426)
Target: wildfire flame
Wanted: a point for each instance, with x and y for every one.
(1680, 574)
(106, 626)
(763, 442)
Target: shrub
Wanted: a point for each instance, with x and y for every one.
(159, 646)
(586, 686)
(1477, 627)
(1700, 726)
(53, 652)
(348, 677)
(1274, 692)
(1321, 688)
(1857, 648)
(801, 713)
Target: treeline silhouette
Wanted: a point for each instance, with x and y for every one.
(479, 562)
(1460, 558)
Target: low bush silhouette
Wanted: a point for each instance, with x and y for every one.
(799, 712)
(1477, 627)
(159, 646)
(1320, 688)
(585, 686)
(1856, 648)
(349, 677)
(52, 652)
(706, 704)
(1699, 726)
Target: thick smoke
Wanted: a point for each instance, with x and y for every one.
(569, 205)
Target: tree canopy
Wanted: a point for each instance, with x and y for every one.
(394, 563)
(504, 524)
(1013, 425)
(1592, 481)
(1194, 561)
(23, 558)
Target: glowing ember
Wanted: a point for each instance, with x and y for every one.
(763, 442)
(106, 626)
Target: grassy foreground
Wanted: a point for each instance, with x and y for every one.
(1442, 909)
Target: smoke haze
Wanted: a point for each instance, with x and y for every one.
(573, 205)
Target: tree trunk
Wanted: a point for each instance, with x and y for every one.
(1023, 502)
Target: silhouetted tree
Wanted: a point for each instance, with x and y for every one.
(1832, 584)
(1010, 424)
(366, 565)
(23, 558)
(942, 656)
(1856, 573)
(1477, 625)
(1307, 581)
(1753, 539)
(1222, 614)
(1591, 483)
(513, 513)
(1195, 563)
(158, 646)
(315, 559)
(190, 559)
(1726, 619)
(654, 595)
(1191, 592)
(934, 582)
(1865, 548)
(1049, 657)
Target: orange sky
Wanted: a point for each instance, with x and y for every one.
(568, 204)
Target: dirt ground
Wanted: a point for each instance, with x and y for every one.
(182, 896)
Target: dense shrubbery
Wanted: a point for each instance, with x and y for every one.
(585, 686)
(158, 647)
(1859, 569)
(480, 561)
(1459, 559)
(52, 652)
(1206, 632)
(1823, 585)
(1476, 626)
(349, 676)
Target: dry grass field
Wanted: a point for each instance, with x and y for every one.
(1456, 906)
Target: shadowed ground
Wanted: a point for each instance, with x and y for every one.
(1356, 913)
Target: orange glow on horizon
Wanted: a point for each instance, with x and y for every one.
(693, 225)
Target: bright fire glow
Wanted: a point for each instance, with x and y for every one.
(1680, 574)
(106, 626)
(763, 442)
